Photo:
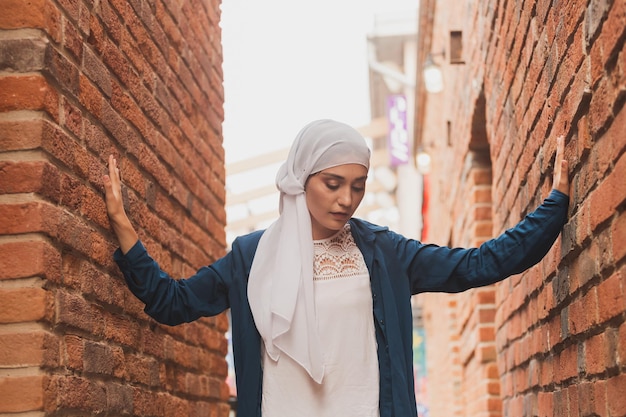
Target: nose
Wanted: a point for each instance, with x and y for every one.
(345, 198)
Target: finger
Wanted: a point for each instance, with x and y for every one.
(111, 165)
(558, 158)
(559, 147)
(114, 171)
(564, 171)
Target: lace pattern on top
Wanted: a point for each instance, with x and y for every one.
(338, 257)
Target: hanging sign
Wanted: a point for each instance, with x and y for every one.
(398, 137)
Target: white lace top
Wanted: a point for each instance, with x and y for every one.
(343, 302)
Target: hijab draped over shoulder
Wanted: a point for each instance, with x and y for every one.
(280, 286)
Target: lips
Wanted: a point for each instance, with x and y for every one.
(339, 215)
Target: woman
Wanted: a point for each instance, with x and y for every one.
(320, 301)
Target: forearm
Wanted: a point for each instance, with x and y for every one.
(521, 247)
(444, 269)
(173, 301)
(125, 233)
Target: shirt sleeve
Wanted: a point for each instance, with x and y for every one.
(441, 269)
(174, 301)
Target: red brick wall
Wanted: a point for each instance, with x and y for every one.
(80, 80)
(551, 341)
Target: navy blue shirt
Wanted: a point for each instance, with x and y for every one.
(398, 267)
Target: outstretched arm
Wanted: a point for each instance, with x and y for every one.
(517, 249)
(121, 225)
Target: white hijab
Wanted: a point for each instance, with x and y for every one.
(280, 287)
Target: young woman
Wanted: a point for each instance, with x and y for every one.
(320, 301)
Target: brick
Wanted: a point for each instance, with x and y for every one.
(23, 304)
(22, 54)
(72, 118)
(21, 394)
(119, 398)
(596, 354)
(577, 318)
(77, 313)
(62, 70)
(592, 398)
(612, 299)
(539, 341)
(560, 402)
(116, 62)
(545, 302)
(95, 70)
(72, 41)
(143, 370)
(621, 347)
(27, 92)
(89, 96)
(615, 388)
(145, 403)
(572, 399)
(21, 134)
(22, 349)
(600, 397)
(566, 366)
(587, 312)
(121, 329)
(611, 37)
(545, 404)
(610, 193)
(21, 177)
(98, 358)
(43, 260)
(574, 103)
(607, 147)
(601, 105)
(73, 352)
(17, 14)
(97, 141)
(618, 237)
(80, 394)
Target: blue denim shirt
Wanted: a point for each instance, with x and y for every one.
(399, 267)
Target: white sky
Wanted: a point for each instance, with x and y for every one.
(288, 62)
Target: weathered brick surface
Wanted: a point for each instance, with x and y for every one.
(545, 69)
(80, 80)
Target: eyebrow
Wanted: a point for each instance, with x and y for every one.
(339, 177)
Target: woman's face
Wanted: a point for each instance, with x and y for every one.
(332, 196)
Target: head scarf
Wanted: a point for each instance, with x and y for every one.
(280, 287)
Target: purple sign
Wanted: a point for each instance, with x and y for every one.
(398, 137)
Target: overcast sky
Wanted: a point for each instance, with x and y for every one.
(287, 62)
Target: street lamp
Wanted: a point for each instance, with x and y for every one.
(422, 162)
(433, 77)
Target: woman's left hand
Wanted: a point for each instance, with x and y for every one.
(560, 180)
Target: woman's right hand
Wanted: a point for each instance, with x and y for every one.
(113, 191)
(114, 200)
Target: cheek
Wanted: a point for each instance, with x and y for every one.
(312, 198)
(357, 200)
(318, 199)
